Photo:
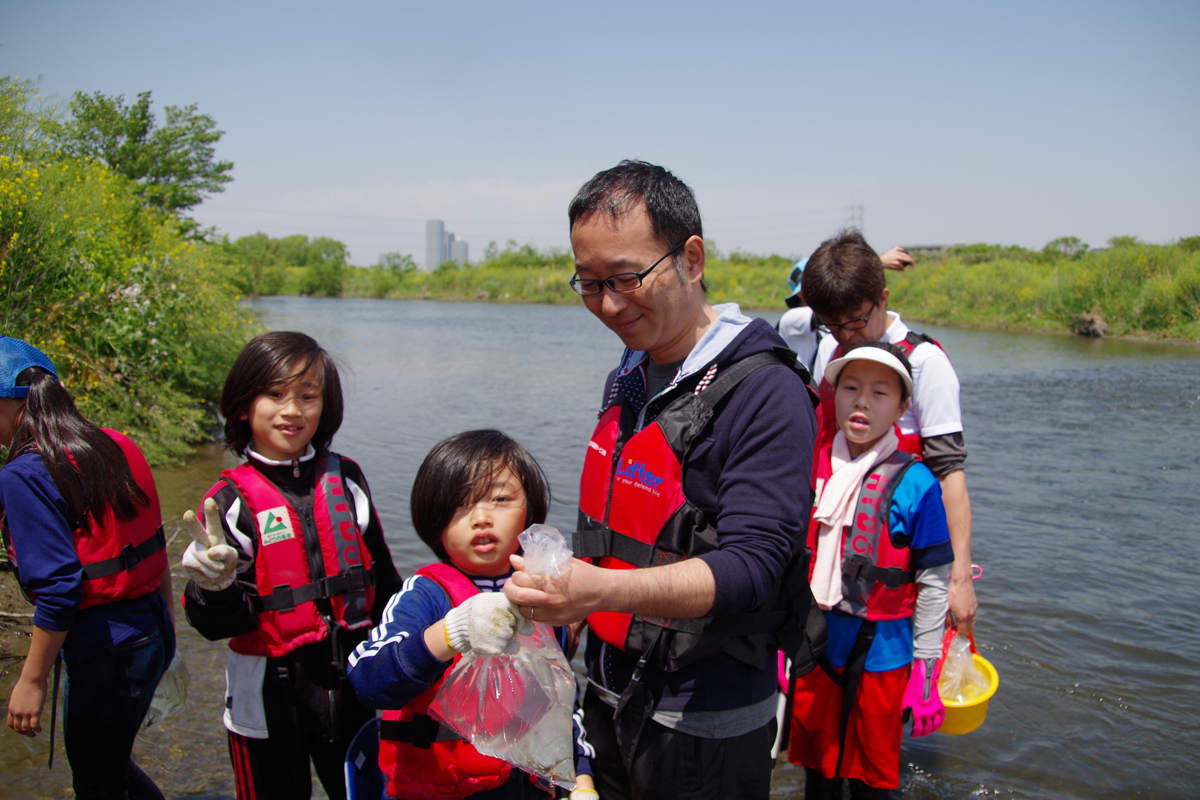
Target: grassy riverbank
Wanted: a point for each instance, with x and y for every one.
(523, 275)
(1137, 289)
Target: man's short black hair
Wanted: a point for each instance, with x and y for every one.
(674, 215)
(842, 275)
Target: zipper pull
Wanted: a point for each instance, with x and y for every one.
(296, 468)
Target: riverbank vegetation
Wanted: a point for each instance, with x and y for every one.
(516, 273)
(101, 269)
(1130, 287)
(1127, 288)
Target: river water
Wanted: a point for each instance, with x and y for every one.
(1083, 478)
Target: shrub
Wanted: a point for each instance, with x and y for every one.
(141, 321)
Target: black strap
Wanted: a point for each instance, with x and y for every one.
(54, 705)
(285, 598)
(753, 623)
(634, 707)
(729, 378)
(789, 707)
(607, 542)
(848, 680)
(420, 731)
(856, 567)
(129, 559)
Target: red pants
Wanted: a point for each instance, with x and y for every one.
(873, 732)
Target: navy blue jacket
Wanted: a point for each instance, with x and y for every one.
(750, 476)
(40, 526)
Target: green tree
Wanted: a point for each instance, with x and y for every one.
(20, 129)
(1124, 241)
(397, 262)
(1069, 246)
(260, 267)
(326, 265)
(173, 164)
(328, 251)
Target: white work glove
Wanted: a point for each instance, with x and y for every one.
(486, 623)
(585, 794)
(208, 561)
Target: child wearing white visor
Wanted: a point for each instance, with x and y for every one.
(879, 571)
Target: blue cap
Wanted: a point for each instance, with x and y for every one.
(794, 275)
(15, 357)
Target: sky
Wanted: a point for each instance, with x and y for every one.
(944, 122)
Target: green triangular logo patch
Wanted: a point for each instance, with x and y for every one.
(275, 525)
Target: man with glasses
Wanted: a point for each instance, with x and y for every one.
(694, 493)
(844, 284)
(800, 327)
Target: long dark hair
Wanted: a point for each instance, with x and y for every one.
(460, 469)
(87, 465)
(268, 360)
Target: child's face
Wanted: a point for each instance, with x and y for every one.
(483, 533)
(867, 403)
(284, 419)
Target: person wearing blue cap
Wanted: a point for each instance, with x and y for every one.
(82, 527)
(799, 326)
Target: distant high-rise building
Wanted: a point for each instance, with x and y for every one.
(435, 244)
(458, 251)
(441, 246)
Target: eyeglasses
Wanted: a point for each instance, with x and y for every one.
(625, 282)
(852, 325)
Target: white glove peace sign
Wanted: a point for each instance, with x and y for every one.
(208, 561)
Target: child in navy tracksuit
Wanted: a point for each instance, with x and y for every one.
(474, 493)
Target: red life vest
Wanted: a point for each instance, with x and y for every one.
(633, 514)
(121, 559)
(290, 597)
(827, 417)
(878, 579)
(422, 759)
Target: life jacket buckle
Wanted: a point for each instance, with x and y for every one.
(894, 578)
(853, 566)
(333, 586)
(281, 598)
(130, 556)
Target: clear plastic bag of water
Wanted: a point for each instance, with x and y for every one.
(961, 681)
(170, 695)
(518, 707)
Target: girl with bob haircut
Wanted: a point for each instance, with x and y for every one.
(459, 471)
(473, 495)
(291, 566)
(83, 531)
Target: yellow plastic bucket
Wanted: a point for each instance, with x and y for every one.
(967, 716)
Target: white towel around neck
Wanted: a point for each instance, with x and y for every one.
(835, 510)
